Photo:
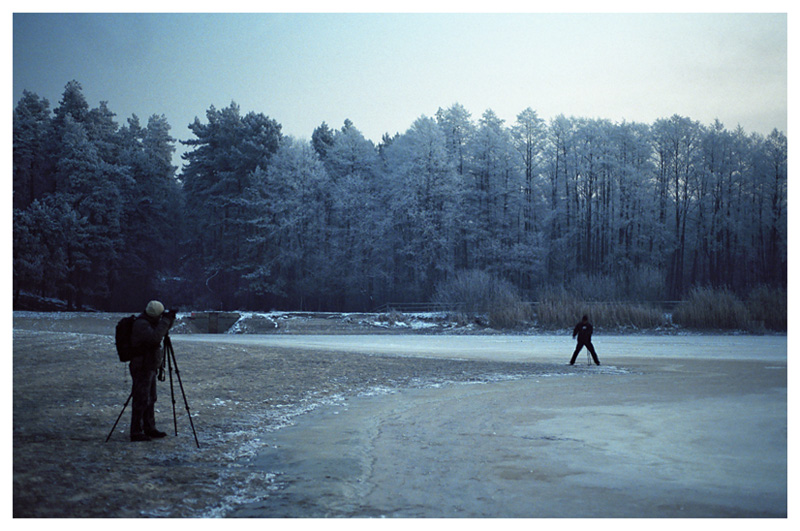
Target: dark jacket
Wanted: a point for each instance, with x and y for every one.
(146, 338)
(584, 332)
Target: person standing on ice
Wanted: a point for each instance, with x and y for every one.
(584, 332)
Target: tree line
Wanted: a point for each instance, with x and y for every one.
(256, 219)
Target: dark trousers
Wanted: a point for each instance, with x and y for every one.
(143, 417)
(588, 345)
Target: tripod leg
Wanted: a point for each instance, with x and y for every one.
(185, 401)
(167, 350)
(120, 416)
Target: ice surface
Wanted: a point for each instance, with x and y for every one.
(533, 348)
(687, 426)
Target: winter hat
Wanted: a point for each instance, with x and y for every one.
(154, 309)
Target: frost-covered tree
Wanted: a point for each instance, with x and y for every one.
(495, 200)
(152, 216)
(529, 135)
(678, 141)
(31, 146)
(425, 200)
(322, 140)
(219, 168)
(73, 104)
(560, 175)
(635, 237)
(89, 185)
(42, 232)
(256, 220)
(290, 264)
(776, 175)
(456, 123)
(358, 219)
(68, 179)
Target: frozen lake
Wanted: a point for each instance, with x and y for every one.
(687, 426)
(539, 348)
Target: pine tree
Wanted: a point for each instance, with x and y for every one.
(31, 137)
(220, 168)
(151, 217)
(357, 218)
(89, 186)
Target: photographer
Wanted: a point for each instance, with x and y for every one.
(149, 330)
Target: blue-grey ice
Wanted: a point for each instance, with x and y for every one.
(668, 426)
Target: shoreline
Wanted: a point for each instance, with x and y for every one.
(286, 323)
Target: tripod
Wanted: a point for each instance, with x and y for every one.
(169, 355)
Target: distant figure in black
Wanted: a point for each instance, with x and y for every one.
(584, 332)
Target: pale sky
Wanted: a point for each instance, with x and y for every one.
(382, 71)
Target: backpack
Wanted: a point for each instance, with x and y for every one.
(122, 338)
